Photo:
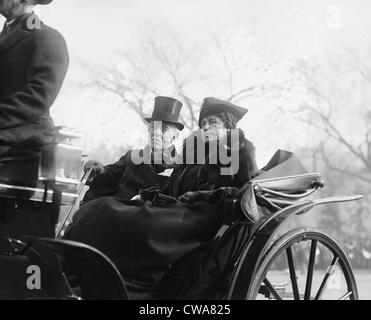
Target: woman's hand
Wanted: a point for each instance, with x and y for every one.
(192, 196)
(210, 195)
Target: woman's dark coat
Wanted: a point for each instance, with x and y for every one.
(145, 240)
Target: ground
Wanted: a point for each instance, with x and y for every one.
(363, 279)
(335, 288)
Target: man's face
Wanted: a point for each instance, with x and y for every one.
(7, 6)
(162, 134)
(12, 8)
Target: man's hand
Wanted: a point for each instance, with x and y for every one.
(98, 168)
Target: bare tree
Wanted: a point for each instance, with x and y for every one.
(320, 113)
(182, 67)
(134, 85)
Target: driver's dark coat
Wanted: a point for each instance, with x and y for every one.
(33, 64)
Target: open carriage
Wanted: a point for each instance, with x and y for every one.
(245, 260)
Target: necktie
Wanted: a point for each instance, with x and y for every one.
(5, 30)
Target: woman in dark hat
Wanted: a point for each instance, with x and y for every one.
(144, 239)
(217, 122)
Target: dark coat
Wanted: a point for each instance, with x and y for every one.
(33, 65)
(144, 240)
(209, 174)
(124, 179)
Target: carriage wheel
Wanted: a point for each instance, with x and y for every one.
(304, 264)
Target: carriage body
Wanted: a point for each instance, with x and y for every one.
(266, 245)
(235, 264)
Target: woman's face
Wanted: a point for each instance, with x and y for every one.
(212, 128)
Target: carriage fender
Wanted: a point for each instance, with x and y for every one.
(272, 222)
(335, 199)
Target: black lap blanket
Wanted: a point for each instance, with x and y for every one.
(144, 239)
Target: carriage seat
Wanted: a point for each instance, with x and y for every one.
(281, 183)
(261, 197)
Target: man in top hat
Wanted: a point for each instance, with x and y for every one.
(33, 64)
(127, 176)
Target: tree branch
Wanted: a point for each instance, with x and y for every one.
(334, 133)
(348, 172)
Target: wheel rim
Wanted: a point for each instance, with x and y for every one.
(326, 273)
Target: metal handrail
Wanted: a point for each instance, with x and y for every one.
(79, 190)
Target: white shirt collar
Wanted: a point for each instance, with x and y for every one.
(10, 22)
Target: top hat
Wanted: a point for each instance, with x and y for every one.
(43, 1)
(212, 106)
(167, 109)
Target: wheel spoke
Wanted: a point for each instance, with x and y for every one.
(311, 284)
(312, 257)
(329, 271)
(272, 289)
(345, 296)
(294, 282)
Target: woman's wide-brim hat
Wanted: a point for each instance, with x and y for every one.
(213, 106)
(43, 1)
(167, 109)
